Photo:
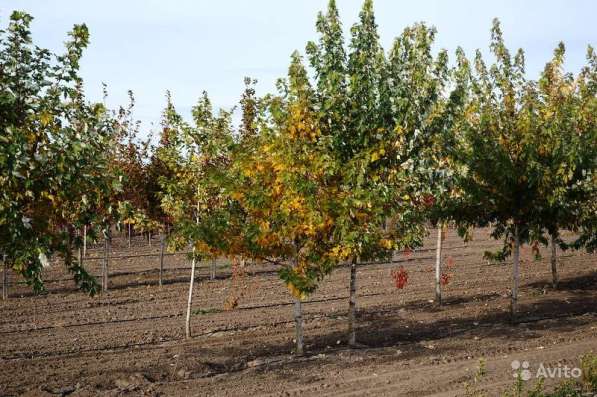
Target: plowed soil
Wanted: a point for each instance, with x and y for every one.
(130, 340)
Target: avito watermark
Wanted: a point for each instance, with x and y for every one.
(523, 368)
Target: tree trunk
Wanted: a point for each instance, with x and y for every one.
(352, 303)
(438, 266)
(190, 300)
(554, 265)
(85, 240)
(106, 261)
(515, 273)
(298, 320)
(149, 238)
(4, 278)
(212, 276)
(80, 256)
(129, 227)
(162, 246)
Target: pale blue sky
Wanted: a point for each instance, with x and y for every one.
(189, 46)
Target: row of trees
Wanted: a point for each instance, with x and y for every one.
(356, 152)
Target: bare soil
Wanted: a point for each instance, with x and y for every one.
(130, 340)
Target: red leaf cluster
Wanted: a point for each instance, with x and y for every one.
(400, 277)
(445, 278)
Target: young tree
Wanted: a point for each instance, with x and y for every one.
(197, 156)
(567, 152)
(380, 114)
(52, 152)
(284, 189)
(156, 170)
(445, 202)
(130, 156)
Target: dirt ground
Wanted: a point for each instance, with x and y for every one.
(130, 340)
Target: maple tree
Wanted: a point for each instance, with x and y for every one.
(52, 153)
(285, 189)
(383, 114)
(195, 158)
(567, 151)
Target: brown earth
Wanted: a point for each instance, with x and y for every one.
(130, 340)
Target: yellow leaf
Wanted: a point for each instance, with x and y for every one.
(45, 118)
(295, 292)
(385, 243)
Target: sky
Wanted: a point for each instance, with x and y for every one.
(150, 46)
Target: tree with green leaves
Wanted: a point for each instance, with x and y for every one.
(196, 158)
(444, 201)
(493, 144)
(131, 157)
(567, 152)
(52, 153)
(381, 115)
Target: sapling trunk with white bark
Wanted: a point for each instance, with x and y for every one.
(162, 246)
(4, 278)
(352, 304)
(106, 264)
(515, 273)
(212, 276)
(298, 320)
(129, 227)
(190, 300)
(554, 265)
(438, 265)
(80, 255)
(191, 284)
(85, 240)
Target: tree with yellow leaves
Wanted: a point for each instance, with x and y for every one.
(287, 191)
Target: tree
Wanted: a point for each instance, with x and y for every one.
(426, 99)
(197, 156)
(285, 191)
(156, 170)
(445, 202)
(52, 154)
(567, 152)
(380, 114)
